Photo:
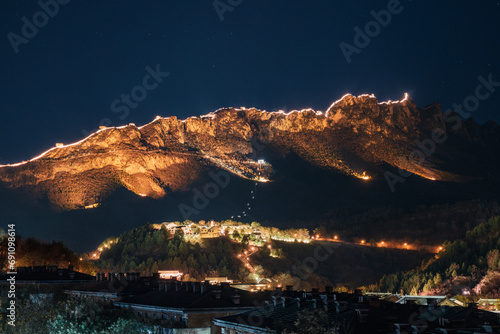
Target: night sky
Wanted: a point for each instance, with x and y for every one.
(266, 54)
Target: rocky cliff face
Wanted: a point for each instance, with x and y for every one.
(357, 136)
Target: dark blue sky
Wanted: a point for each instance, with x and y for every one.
(265, 54)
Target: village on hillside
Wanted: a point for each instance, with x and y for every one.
(253, 234)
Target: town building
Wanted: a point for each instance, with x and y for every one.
(46, 275)
(190, 305)
(170, 274)
(218, 280)
(492, 304)
(209, 232)
(359, 313)
(114, 286)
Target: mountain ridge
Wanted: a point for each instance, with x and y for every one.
(355, 136)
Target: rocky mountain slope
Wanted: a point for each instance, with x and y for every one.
(356, 136)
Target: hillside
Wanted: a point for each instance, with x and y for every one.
(356, 136)
(467, 266)
(148, 248)
(299, 169)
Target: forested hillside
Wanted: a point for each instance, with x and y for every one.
(147, 250)
(468, 266)
(34, 252)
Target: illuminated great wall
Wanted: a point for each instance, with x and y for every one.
(353, 136)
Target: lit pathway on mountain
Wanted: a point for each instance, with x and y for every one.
(384, 244)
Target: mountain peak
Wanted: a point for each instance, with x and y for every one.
(355, 136)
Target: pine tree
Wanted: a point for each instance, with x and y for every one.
(212, 261)
(154, 267)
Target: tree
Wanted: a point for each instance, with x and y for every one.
(154, 268)
(91, 316)
(255, 225)
(183, 250)
(62, 315)
(32, 317)
(437, 279)
(212, 261)
(320, 231)
(493, 259)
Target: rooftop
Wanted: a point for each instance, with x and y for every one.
(48, 274)
(190, 295)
